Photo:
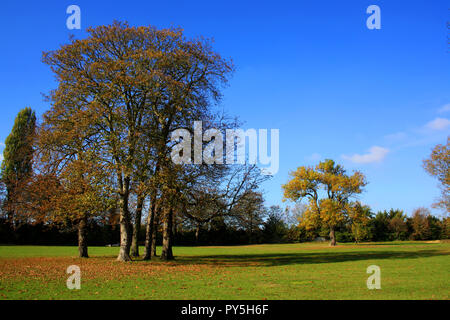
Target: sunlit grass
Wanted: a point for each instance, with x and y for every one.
(409, 270)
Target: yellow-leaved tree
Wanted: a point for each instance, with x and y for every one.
(329, 190)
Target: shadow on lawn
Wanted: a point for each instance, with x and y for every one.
(400, 243)
(304, 258)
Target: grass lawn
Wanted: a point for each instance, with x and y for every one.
(409, 270)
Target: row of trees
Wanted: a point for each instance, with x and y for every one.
(267, 226)
(270, 225)
(207, 217)
(103, 150)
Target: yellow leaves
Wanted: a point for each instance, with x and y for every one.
(310, 219)
(307, 181)
(358, 213)
(332, 212)
(327, 180)
(304, 180)
(327, 166)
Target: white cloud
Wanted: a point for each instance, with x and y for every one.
(395, 137)
(1, 157)
(438, 124)
(375, 154)
(444, 108)
(314, 157)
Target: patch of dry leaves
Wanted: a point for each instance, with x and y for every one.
(105, 268)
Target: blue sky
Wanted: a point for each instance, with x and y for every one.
(374, 100)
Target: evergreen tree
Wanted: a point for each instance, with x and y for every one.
(18, 156)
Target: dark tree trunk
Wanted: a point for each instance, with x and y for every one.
(167, 253)
(125, 228)
(250, 237)
(150, 230)
(155, 234)
(174, 229)
(137, 227)
(82, 238)
(332, 237)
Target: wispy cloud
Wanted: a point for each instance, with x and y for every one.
(396, 137)
(375, 154)
(427, 134)
(314, 157)
(444, 108)
(438, 124)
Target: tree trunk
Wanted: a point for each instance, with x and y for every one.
(155, 234)
(174, 229)
(150, 230)
(250, 238)
(125, 228)
(167, 236)
(197, 233)
(332, 237)
(82, 238)
(137, 227)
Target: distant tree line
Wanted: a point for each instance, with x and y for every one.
(385, 225)
(270, 225)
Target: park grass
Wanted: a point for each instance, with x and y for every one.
(409, 270)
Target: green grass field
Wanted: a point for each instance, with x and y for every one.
(409, 270)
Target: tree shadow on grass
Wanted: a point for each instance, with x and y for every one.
(393, 244)
(272, 259)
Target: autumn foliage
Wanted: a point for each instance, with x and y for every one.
(329, 190)
(438, 165)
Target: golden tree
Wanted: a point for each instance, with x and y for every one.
(329, 190)
(360, 217)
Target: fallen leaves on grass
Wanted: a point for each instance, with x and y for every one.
(96, 268)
